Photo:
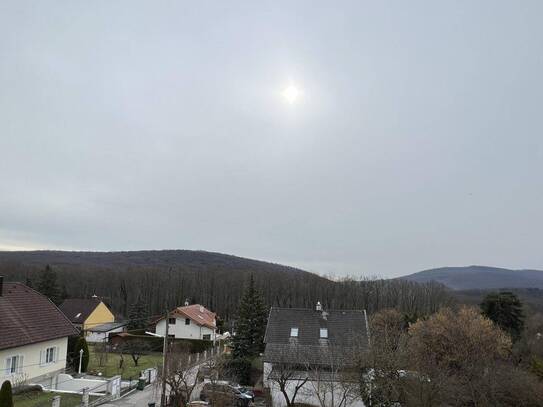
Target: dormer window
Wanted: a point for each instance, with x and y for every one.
(324, 333)
(293, 332)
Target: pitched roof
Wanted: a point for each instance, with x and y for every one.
(346, 330)
(78, 309)
(28, 317)
(197, 313)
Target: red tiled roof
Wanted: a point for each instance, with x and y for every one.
(198, 313)
(28, 317)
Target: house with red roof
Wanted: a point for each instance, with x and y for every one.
(33, 336)
(189, 322)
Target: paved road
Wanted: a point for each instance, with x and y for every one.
(141, 398)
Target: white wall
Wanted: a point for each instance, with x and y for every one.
(305, 395)
(182, 331)
(32, 367)
(101, 336)
(65, 382)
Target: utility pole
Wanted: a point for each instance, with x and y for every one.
(164, 351)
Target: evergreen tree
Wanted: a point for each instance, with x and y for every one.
(505, 310)
(47, 285)
(251, 324)
(64, 293)
(138, 314)
(28, 282)
(81, 344)
(6, 396)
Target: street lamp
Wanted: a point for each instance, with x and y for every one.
(80, 359)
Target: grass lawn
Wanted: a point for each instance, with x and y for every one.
(43, 399)
(110, 364)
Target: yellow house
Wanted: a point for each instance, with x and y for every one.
(86, 313)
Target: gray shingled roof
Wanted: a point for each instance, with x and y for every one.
(347, 335)
(78, 309)
(28, 317)
(110, 326)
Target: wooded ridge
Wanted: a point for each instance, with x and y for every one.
(167, 278)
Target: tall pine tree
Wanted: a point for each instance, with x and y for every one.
(138, 314)
(251, 324)
(505, 310)
(47, 285)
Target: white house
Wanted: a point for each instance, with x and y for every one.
(311, 356)
(33, 336)
(189, 322)
(101, 333)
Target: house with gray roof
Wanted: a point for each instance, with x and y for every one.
(311, 355)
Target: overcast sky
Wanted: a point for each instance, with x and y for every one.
(416, 140)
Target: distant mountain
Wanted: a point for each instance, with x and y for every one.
(479, 277)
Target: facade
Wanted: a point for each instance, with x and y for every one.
(312, 354)
(101, 333)
(189, 322)
(34, 336)
(87, 313)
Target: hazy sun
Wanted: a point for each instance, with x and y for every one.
(291, 94)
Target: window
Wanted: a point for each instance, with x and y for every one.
(171, 321)
(206, 337)
(324, 333)
(50, 355)
(14, 364)
(293, 332)
(187, 321)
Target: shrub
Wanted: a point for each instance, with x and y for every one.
(81, 344)
(6, 397)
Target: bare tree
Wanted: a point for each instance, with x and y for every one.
(181, 375)
(288, 374)
(383, 364)
(333, 375)
(135, 348)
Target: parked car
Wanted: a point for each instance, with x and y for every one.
(245, 391)
(224, 394)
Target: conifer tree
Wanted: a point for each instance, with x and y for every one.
(47, 285)
(6, 396)
(81, 344)
(251, 324)
(505, 310)
(138, 314)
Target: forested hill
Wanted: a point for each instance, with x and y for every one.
(159, 259)
(479, 277)
(166, 278)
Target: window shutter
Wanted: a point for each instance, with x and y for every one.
(8, 366)
(20, 363)
(42, 357)
(55, 356)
